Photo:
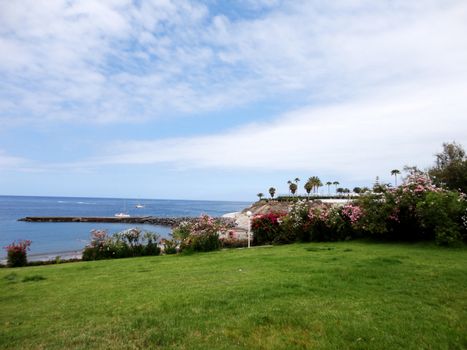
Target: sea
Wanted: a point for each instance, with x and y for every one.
(51, 239)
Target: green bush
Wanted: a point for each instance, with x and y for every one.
(182, 231)
(295, 225)
(203, 235)
(417, 210)
(17, 253)
(129, 243)
(267, 228)
(170, 246)
(203, 242)
(441, 215)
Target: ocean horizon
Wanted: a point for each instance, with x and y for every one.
(56, 238)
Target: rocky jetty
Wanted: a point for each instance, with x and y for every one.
(150, 220)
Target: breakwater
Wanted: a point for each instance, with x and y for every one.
(150, 220)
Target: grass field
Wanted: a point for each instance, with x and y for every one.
(347, 295)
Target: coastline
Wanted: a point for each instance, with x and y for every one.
(52, 256)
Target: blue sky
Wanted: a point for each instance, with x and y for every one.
(223, 99)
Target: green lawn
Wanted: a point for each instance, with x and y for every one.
(348, 295)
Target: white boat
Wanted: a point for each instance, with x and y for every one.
(139, 206)
(122, 215)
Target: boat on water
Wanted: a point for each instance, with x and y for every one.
(139, 206)
(122, 215)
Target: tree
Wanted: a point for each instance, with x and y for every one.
(413, 170)
(318, 184)
(395, 172)
(340, 190)
(357, 190)
(293, 188)
(308, 188)
(450, 169)
(289, 183)
(315, 182)
(329, 183)
(260, 195)
(347, 191)
(336, 183)
(272, 192)
(297, 180)
(378, 187)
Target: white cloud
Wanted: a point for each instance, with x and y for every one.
(360, 139)
(117, 60)
(9, 162)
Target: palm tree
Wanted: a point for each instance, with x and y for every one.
(293, 188)
(297, 180)
(395, 172)
(346, 190)
(314, 181)
(329, 183)
(339, 190)
(289, 183)
(336, 183)
(318, 184)
(308, 187)
(260, 195)
(272, 192)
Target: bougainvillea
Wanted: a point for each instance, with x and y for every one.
(266, 228)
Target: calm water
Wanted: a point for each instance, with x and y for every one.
(49, 238)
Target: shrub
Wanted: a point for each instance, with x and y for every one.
(441, 216)
(325, 223)
(182, 231)
(170, 246)
(266, 228)
(295, 225)
(17, 253)
(417, 210)
(203, 235)
(129, 243)
(379, 214)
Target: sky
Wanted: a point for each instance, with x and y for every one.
(220, 100)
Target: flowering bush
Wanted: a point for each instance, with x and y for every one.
(17, 253)
(132, 242)
(182, 231)
(352, 212)
(331, 223)
(417, 210)
(266, 228)
(321, 225)
(201, 235)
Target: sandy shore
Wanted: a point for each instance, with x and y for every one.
(65, 255)
(72, 254)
